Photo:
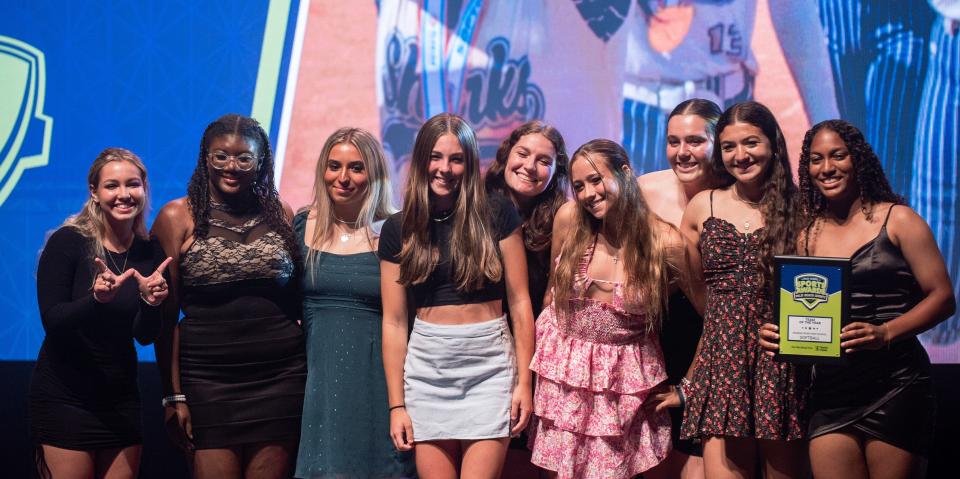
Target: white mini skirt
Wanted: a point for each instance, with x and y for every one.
(458, 380)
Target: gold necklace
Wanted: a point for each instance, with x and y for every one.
(752, 204)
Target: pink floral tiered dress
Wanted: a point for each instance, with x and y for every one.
(594, 372)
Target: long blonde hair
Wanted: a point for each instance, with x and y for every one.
(89, 221)
(476, 259)
(378, 196)
(644, 261)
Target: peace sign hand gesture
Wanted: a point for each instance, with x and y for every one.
(153, 288)
(107, 283)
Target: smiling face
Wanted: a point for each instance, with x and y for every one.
(231, 180)
(831, 167)
(119, 191)
(345, 175)
(530, 166)
(595, 188)
(446, 168)
(689, 147)
(746, 152)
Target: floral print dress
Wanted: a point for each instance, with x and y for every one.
(594, 372)
(737, 390)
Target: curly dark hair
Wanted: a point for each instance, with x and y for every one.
(874, 187)
(780, 203)
(264, 194)
(538, 218)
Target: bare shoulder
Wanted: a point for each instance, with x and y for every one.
(903, 221)
(174, 211)
(565, 214)
(699, 207)
(287, 211)
(175, 217)
(655, 178)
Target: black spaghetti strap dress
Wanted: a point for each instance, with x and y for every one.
(885, 394)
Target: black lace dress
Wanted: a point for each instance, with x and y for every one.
(242, 361)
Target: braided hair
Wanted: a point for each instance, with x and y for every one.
(263, 193)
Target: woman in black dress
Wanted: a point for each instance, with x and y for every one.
(99, 282)
(530, 169)
(233, 369)
(875, 416)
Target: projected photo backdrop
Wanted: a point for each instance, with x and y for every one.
(79, 76)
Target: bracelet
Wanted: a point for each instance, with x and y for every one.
(145, 301)
(397, 407)
(682, 396)
(173, 399)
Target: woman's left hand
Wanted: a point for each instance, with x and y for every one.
(154, 288)
(521, 406)
(864, 336)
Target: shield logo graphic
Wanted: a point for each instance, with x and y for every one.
(810, 289)
(24, 129)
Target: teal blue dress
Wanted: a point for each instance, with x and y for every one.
(346, 423)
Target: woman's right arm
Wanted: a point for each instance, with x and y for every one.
(171, 230)
(61, 256)
(395, 352)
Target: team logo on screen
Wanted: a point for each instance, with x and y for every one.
(24, 129)
(810, 289)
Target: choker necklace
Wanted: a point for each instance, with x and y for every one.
(444, 218)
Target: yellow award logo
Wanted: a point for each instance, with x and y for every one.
(24, 129)
(810, 289)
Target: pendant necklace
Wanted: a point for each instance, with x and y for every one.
(126, 256)
(751, 204)
(344, 236)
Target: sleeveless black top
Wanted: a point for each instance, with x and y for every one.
(882, 288)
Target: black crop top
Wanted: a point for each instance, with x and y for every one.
(439, 289)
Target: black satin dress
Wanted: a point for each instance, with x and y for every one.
(885, 394)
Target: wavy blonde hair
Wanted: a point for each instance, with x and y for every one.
(89, 221)
(644, 260)
(378, 195)
(476, 259)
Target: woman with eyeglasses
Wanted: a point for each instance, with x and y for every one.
(100, 281)
(233, 369)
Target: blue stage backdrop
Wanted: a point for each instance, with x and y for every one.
(79, 76)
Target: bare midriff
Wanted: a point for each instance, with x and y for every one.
(461, 313)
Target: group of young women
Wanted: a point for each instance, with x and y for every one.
(350, 340)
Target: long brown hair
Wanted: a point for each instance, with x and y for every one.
(89, 221)
(378, 196)
(644, 260)
(779, 205)
(538, 218)
(476, 259)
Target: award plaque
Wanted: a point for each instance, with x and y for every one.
(812, 304)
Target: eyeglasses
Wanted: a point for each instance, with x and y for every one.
(220, 160)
